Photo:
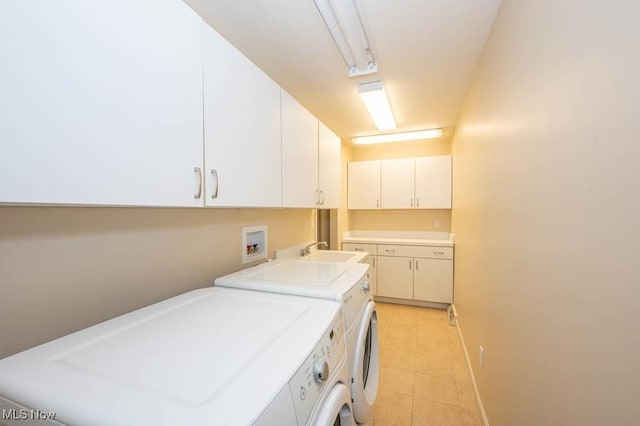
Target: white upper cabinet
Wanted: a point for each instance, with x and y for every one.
(101, 102)
(299, 155)
(329, 168)
(363, 185)
(406, 183)
(397, 184)
(242, 129)
(433, 182)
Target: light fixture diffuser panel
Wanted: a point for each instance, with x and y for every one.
(398, 137)
(375, 99)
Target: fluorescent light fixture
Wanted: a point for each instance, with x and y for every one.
(375, 99)
(342, 18)
(398, 137)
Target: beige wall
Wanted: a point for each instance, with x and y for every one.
(399, 220)
(63, 269)
(342, 213)
(421, 148)
(547, 215)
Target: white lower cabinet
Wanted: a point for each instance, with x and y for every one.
(395, 277)
(429, 280)
(423, 273)
(433, 280)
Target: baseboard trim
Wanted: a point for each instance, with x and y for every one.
(409, 302)
(483, 414)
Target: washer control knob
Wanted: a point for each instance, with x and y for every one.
(320, 370)
(365, 286)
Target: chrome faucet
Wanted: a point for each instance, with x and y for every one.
(307, 250)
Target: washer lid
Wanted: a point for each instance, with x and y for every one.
(300, 272)
(214, 354)
(298, 277)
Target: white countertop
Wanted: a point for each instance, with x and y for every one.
(414, 238)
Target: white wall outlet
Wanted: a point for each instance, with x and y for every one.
(481, 357)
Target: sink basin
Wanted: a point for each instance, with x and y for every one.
(335, 256)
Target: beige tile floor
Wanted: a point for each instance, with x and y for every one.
(424, 379)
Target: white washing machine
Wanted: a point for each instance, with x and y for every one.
(346, 283)
(213, 356)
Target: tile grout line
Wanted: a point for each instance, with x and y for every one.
(411, 317)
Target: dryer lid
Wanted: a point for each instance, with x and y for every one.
(211, 354)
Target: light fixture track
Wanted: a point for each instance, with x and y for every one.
(344, 22)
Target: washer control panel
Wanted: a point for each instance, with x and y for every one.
(312, 378)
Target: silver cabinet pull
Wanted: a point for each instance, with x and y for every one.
(409, 263)
(411, 202)
(417, 202)
(389, 251)
(374, 262)
(322, 197)
(198, 194)
(416, 264)
(377, 203)
(358, 249)
(439, 252)
(317, 197)
(214, 173)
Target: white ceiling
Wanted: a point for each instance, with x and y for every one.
(427, 51)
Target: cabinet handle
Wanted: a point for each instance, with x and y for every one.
(389, 251)
(377, 203)
(417, 202)
(439, 252)
(199, 172)
(409, 263)
(214, 173)
(416, 264)
(322, 197)
(358, 249)
(374, 262)
(412, 202)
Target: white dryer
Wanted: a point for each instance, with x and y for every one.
(346, 283)
(213, 356)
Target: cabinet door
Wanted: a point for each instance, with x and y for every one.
(395, 277)
(373, 273)
(242, 129)
(363, 185)
(329, 168)
(299, 155)
(397, 183)
(433, 280)
(101, 102)
(433, 182)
